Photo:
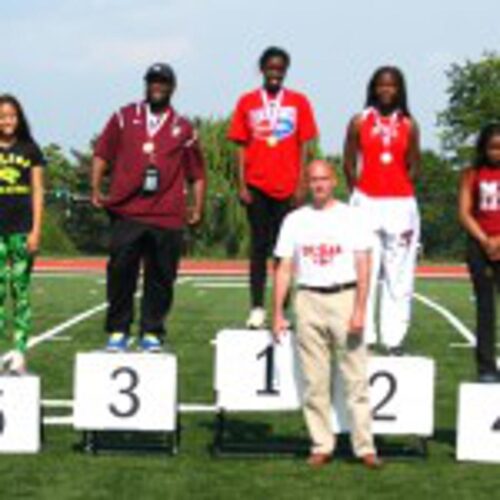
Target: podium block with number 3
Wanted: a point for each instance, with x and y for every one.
(19, 414)
(130, 391)
(478, 428)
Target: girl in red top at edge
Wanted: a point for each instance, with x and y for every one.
(381, 161)
(272, 126)
(479, 212)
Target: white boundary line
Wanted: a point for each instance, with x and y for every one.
(67, 420)
(192, 407)
(62, 327)
(450, 317)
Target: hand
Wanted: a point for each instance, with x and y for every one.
(280, 326)
(194, 217)
(356, 323)
(245, 195)
(33, 242)
(492, 247)
(98, 200)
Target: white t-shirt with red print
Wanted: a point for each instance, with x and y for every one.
(322, 243)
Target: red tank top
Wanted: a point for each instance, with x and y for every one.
(384, 142)
(486, 195)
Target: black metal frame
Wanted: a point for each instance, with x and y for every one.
(94, 441)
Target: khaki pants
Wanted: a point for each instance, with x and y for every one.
(322, 324)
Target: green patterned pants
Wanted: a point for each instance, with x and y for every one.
(15, 269)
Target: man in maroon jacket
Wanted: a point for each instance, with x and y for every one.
(152, 154)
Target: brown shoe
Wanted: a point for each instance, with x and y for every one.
(371, 461)
(319, 459)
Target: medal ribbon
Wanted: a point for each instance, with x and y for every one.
(388, 131)
(272, 108)
(154, 123)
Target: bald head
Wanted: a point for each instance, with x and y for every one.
(321, 179)
(321, 167)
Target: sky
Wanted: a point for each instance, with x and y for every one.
(73, 62)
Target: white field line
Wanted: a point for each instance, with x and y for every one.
(450, 317)
(67, 420)
(65, 325)
(445, 313)
(62, 275)
(209, 285)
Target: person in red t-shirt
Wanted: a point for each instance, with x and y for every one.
(152, 153)
(381, 161)
(272, 127)
(479, 212)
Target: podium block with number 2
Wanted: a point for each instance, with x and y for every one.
(401, 397)
(129, 392)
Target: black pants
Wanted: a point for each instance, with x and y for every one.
(159, 250)
(265, 215)
(486, 281)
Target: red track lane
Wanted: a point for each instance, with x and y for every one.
(218, 267)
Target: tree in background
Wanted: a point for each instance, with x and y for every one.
(474, 100)
(437, 188)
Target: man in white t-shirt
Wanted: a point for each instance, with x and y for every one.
(326, 245)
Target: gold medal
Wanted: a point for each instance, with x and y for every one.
(272, 141)
(148, 147)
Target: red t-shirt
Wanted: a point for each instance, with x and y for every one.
(486, 195)
(177, 157)
(273, 168)
(384, 168)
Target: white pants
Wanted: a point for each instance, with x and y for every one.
(396, 223)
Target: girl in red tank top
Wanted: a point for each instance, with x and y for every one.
(381, 158)
(479, 212)
(383, 139)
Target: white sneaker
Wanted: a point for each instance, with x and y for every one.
(17, 363)
(256, 318)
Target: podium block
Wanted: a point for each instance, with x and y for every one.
(401, 397)
(20, 414)
(478, 423)
(252, 373)
(125, 392)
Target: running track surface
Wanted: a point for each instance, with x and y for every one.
(217, 267)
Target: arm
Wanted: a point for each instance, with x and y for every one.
(198, 188)
(105, 154)
(307, 133)
(362, 260)
(306, 155)
(282, 281)
(243, 191)
(37, 197)
(99, 168)
(414, 155)
(351, 149)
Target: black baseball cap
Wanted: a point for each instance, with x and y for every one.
(160, 71)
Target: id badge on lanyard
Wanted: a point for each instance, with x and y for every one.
(151, 182)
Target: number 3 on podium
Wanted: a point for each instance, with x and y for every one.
(132, 377)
